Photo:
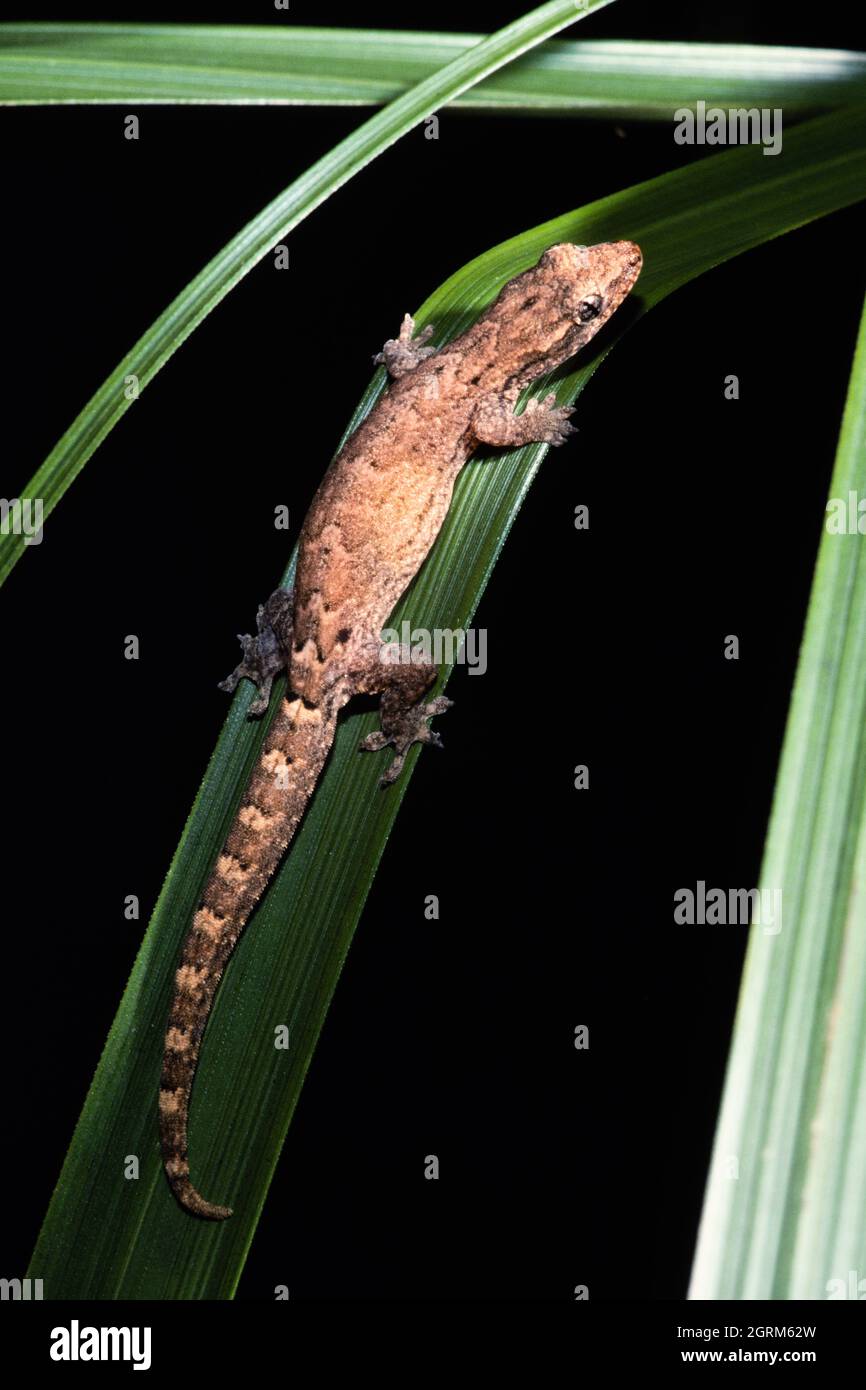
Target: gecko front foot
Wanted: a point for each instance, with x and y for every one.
(266, 654)
(402, 727)
(542, 422)
(401, 354)
(548, 421)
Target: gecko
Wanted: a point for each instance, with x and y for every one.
(370, 526)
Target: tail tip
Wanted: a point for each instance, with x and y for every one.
(193, 1202)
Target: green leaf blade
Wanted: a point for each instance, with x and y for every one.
(242, 64)
(792, 1116)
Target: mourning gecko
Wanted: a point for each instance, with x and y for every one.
(371, 524)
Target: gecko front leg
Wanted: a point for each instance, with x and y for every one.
(266, 655)
(401, 354)
(404, 715)
(542, 422)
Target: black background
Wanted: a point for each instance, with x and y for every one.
(455, 1037)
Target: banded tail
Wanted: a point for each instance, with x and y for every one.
(282, 783)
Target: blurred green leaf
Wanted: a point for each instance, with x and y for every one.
(135, 63)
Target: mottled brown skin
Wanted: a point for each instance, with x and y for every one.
(371, 524)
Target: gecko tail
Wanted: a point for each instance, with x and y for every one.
(193, 1201)
(279, 788)
(173, 1111)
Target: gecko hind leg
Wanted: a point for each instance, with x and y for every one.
(401, 354)
(266, 654)
(402, 710)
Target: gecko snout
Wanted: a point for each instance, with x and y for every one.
(629, 255)
(631, 251)
(621, 264)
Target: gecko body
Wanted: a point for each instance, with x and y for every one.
(371, 524)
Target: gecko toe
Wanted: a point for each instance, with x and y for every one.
(373, 742)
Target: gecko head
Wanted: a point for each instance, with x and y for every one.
(554, 309)
(592, 280)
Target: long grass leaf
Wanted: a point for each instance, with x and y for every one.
(41, 64)
(785, 1208)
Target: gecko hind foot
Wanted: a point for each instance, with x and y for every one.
(266, 654)
(402, 353)
(402, 730)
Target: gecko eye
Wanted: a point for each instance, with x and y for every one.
(589, 308)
